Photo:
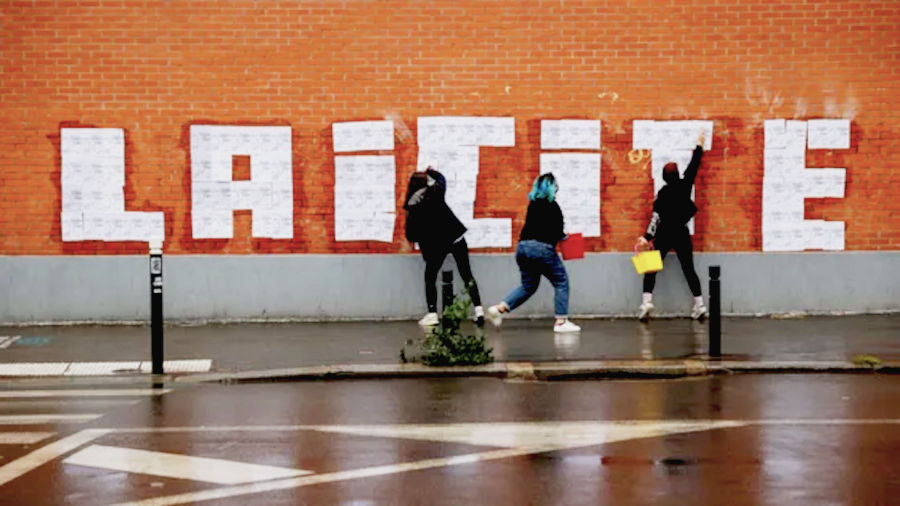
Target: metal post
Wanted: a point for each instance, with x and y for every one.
(156, 307)
(446, 290)
(715, 312)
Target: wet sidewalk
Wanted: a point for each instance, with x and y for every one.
(280, 348)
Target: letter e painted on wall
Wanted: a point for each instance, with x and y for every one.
(787, 182)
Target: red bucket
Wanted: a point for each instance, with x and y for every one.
(572, 247)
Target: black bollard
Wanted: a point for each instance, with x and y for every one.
(156, 307)
(715, 312)
(446, 291)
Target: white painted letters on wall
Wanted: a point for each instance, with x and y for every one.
(268, 193)
(578, 174)
(787, 182)
(93, 193)
(450, 144)
(364, 202)
(670, 141)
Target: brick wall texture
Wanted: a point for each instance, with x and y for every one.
(153, 68)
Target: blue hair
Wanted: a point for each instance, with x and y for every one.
(544, 188)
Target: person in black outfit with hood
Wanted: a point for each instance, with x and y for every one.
(672, 209)
(431, 223)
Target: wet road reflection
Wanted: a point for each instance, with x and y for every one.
(766, 439)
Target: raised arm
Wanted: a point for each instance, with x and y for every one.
(691, 172)
(440, 182)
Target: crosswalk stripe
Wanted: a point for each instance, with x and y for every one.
(110, 392)
(170, 465)
(48, 418)
(101, 368)
(23, 438)
(44, 454)
(84, 404)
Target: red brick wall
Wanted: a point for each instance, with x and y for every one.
(154, 68)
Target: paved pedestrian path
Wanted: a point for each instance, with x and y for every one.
(829, 341)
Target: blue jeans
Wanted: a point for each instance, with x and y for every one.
(538, 259)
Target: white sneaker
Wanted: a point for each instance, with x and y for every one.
(646, 308)
(494, 315)
(566, 326)
(429, 320)
(699, 312)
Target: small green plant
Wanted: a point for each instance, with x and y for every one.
(447, 345)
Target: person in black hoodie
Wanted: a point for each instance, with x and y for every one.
(672, 209)
(431, 223)
(536, 256)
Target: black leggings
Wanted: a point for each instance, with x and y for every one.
(680, 241)
(434, 258)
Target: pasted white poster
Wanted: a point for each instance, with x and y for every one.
(450, 144)
(670, 141)
(268, 193)
(787, 182)
(93, 190)
(578, 174)
(364, 201)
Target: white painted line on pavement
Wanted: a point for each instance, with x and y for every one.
(47, 453)
(7, 404)
(100, 368)
(170, 465)
(173, 366)
(23, 438)
(254, 488)
(33, 369)
(47, 418)
(109, 392)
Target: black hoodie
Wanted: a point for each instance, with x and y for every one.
(430, 221)
(673, 206)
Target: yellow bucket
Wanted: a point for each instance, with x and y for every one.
(647, 261)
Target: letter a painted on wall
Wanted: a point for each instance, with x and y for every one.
(268, 193)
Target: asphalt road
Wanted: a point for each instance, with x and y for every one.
(750, 439)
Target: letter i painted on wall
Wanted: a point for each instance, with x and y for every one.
(93, 190)
(364, 201)
(578, 174)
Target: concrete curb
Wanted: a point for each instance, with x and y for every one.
(545, 371)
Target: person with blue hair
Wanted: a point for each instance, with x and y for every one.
(536, 256)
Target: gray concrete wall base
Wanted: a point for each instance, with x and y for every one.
(325, 287)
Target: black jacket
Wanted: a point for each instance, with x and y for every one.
(430, 221)
(543, 222)
(673, 206)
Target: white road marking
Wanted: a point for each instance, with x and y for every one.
(100, 368)
(6, 404)
(607, 430)
(45, 454)
(170, 465)
(255, 488)
(110, 392)
(533, 435)
(23, 438)
(48, 418)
